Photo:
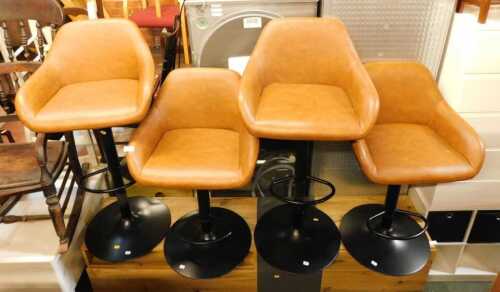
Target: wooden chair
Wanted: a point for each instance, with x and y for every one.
(32, 167)
(4, 132)
(157, 16)
(484, 7)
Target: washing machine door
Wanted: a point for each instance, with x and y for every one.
(234, 36)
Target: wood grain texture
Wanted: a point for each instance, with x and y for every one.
(496, 286)
(151, 273)
(115, 7)
(484, 7)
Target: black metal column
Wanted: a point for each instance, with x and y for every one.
(116, 233)
(385, 239)
(111, 156)
(391, 202)
(208, 243)
(297, 237)
(303, 164)
(204, 211)
(171, 46)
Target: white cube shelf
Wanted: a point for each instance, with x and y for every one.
(470, 82)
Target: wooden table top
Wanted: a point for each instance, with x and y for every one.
(151, 273)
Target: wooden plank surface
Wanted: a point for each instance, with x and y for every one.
(151, 273)
(496, 286)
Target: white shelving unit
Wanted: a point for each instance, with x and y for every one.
(470, 81)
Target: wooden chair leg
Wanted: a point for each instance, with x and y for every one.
(7, 134)
(57, 217)
(460, 6)
(484, 8)
(496, 286)
(185, 39)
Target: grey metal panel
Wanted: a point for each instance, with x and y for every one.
(231, 40)
(396, 29)
(206, 18)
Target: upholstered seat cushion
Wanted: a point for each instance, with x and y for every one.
(193, 136)
(147, 17)
(404, 153)
(90, 105)
(195, 158)
(306, 111)
(305, 81)
(99, 74)
(418, 138)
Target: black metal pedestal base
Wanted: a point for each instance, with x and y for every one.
(195, 254)
(387, 256)
(306, 249)
(111, 238)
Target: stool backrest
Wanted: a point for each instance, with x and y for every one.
(86, 54)
(305, 50)
(23, 37)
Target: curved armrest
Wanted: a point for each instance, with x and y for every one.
(249, 149)
(147, 84)
(35, 93)
(144, 141)
(364, 98)
(459, 134)
(251, 88)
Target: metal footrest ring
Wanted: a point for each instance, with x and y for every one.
(86, 177)
(299, 202)
(388, 235)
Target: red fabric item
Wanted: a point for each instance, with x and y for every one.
(147, 17)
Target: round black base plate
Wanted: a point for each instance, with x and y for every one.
(387, 256)
(305, 250)
(113, 239)
(210, 258)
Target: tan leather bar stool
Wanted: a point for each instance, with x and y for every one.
(304, 82)
(99, 74)
(418, 139)
(194, 138)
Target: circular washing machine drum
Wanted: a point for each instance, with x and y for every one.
(233, 36)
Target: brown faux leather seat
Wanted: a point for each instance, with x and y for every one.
(194, 136)
(418, 138)
(305, 81)
(106, 80)
(99, 74)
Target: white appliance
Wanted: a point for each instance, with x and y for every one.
(219, 30)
